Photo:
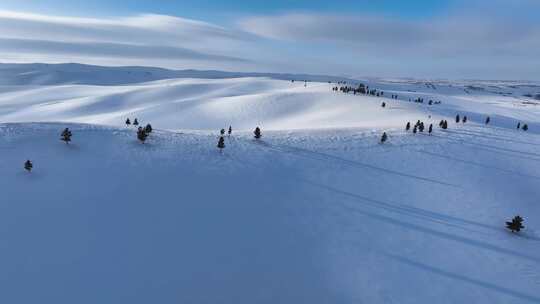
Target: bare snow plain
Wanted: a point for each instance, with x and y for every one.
(316, 211)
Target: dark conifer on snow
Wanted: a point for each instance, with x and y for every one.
(135, 122)
(28, 166)
(383, 104)
(441, 123)
(518, 125)
(464, 120)
(445, 124)
(457, 118)
(229, 131)
(66, 135)
(221, 143)
(430, 128)
(525, 127)
(516, 224)
(384, 137)
(408, 126)
(257, 133)
(222, 132)
(488, 120)
(128, 122)
(148, 128)
(414, 129)
(421, 127)
(141, 134)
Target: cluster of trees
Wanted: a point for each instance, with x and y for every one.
(221, 140)
(394, 96)
(443, 124)
(361, 89)
(135, 122)
(525, 127)
(418, 127)
(458, 119)
(143, 133)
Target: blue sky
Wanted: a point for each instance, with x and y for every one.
(494, 39)
(211, 10)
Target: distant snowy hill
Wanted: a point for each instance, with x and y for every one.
(74, 73)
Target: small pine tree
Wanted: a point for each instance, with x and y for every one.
(128, 122)
(135, 122)
(464, 120)
(408, 126)
(148, 128)
(383, 104)
(430, 128)
(488, 120)
(66, 136)
(229, 131)
(421, 127)
(28, 166)
(441, 123)
(525, 127)
(221, 143)
(414, 129)
(141, 134)
(516, 224)
(518, 125)
(457, 118)
(257, 133)
(222, 132)
(384, 137)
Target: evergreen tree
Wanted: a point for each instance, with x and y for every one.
(135, 122)
(28, 166)
(457, 118)
(414, 130)
(408, 126)
(525, 127)
(141, 134)
(384, 137)
(221, 143)
(66, 135)
(128, 122)
(518, 125)
(148, 129)
(441, 123)
(445, 125)
(421, 127)
(229, 131)
(222, 132)
(516, 224)
(430, 128)
(257, 132)
(464, 120)
(488, 120)
(383, 104)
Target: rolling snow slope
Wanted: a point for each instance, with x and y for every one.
(317, 211)
(300, 216)
(210, 104)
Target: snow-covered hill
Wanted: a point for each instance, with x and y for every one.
(74, 73)
(317, 211)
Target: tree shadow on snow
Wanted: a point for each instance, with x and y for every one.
(463, 278)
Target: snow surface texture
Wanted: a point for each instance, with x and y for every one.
(304, 215)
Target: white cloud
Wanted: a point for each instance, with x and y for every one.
(146, 37)
(441, 36)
